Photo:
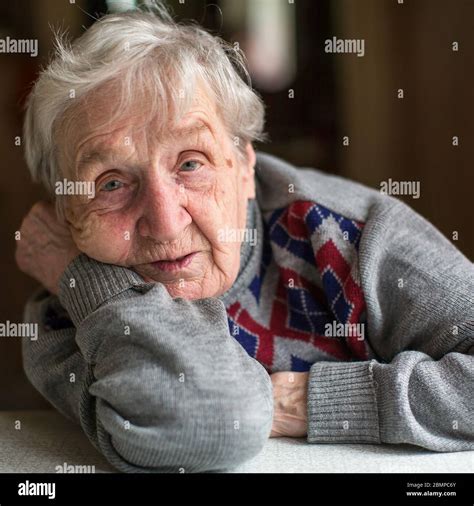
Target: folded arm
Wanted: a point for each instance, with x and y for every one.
(157, 384)
(419, 291)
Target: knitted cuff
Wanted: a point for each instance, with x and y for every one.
(342, 404)
(86, 284)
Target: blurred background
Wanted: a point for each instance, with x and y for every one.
(314, 100)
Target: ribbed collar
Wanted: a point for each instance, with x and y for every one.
(250, 256)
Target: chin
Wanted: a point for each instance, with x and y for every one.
(193, 292)
(196, 281)
(199, 289)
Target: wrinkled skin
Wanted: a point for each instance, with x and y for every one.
(45, 247)
(290, 392)
(157, 196)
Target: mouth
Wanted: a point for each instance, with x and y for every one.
(175, 264)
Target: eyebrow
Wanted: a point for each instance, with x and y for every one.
(102, 156)
(93, 157)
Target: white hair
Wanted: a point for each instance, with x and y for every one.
(139, 50)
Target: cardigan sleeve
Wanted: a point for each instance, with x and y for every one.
(419, 293)
(157, 384)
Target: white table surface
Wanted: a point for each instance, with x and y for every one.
(46, 439)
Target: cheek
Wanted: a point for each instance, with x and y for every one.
(221, 209)
(104, 238)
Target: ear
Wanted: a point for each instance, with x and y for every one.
(249, 171)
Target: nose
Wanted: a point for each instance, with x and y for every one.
(164, 216)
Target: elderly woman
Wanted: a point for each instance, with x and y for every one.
(184, 279)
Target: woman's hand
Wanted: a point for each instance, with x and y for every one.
(290, 392)
(45, 247)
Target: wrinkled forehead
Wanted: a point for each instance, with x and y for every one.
(101, 117)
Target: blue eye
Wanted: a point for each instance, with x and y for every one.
(112, 185)
(190, 166)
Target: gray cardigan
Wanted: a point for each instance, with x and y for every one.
(159, 384)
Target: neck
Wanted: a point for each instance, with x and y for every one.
(250, 254)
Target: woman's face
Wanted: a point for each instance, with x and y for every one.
(159, 198)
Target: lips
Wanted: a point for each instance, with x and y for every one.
(176, 264)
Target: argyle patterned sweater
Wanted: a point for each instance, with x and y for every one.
(191, 378)
(294, 334)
